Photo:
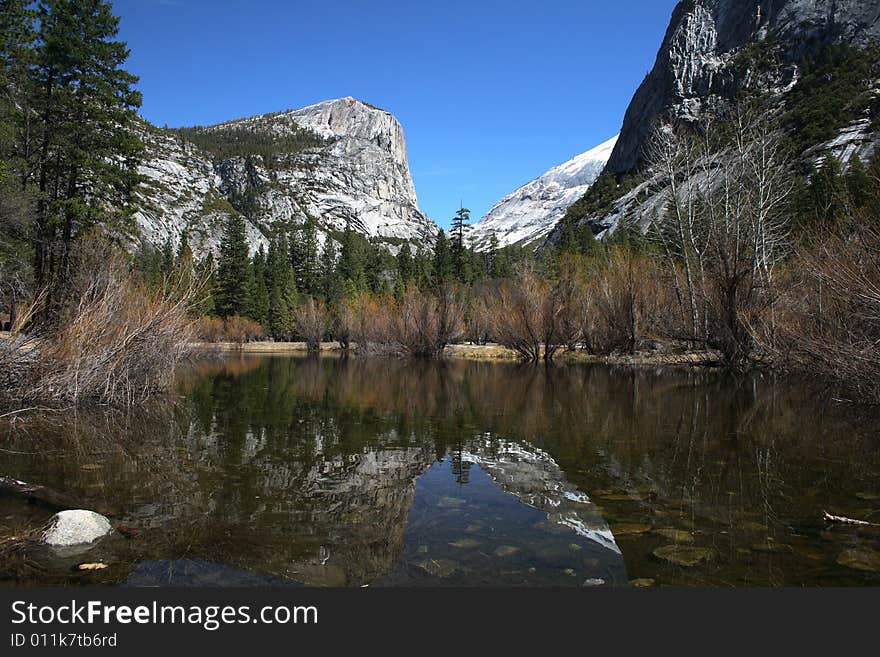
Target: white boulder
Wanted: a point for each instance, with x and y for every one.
(75, 527)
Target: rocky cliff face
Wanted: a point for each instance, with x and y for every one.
(695, 64)
(712, 51)
(528, 214)
(357, 172)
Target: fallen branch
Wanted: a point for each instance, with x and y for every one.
(848, 521)
(39, 494)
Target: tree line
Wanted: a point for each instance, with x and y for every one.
(736, 258)
(751, 249)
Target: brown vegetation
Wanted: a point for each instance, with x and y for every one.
(829, 317)
(116, 342)
(312, 320)
(235, 329)
(425, 323)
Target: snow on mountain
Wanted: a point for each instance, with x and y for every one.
(530, 213)
(357, 173)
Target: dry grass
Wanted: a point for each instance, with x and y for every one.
(116, 343)
(235, 329)
(828, 317)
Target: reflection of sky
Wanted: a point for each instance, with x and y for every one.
(491, 532)
(533, 476)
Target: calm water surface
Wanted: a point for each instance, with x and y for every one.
(356, 472)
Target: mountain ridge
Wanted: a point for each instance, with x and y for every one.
(350, 169)
(711, 52)
(530, 212)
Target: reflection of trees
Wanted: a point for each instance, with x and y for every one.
(461, 467)
(712, 444)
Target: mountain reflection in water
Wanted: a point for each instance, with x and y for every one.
(351, 472)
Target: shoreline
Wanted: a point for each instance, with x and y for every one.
(479, 353)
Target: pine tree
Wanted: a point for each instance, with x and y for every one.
(404, 268)
(86, 158)
(281, 282)
(305, 256)
(422, 268)
(331, 283)
(233, 268)
(351, 262)
(458, 249)
(184, 258)
(503, 265)
(492, 256)
(859, 185)
(375, 268)
(443, 265)
(258, 292)
(208, 267)
(827, 190)
(872, 202)
(148, 261)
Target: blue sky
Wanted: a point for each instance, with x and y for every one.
(490, 94)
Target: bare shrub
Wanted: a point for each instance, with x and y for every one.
(117, 343)
(426, 323)
(529, 316)
(210, 329)
(312, 319)
(372, 324)
(626, 303)
(235, 329)
(828, 318)
(478, 324)
(343, 319)
(239, 329)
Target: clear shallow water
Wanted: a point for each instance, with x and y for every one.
(357, 472)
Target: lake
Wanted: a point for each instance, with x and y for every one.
(353, 472)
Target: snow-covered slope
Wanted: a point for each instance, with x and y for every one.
(529, 213)
(357, 173)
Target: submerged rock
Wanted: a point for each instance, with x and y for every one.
(198, 573)
(446, 502)
(594, 581)
(771, 547)
(627, 529)
(506, 550)
(677, 535)
(75, 527)
(98, 565)
(860, 559)
(682, 555)
(642, 583)
(439, 567)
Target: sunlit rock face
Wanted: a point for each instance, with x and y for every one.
(707, 57)
(358, 174)
(695, 61)
(528, 214)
